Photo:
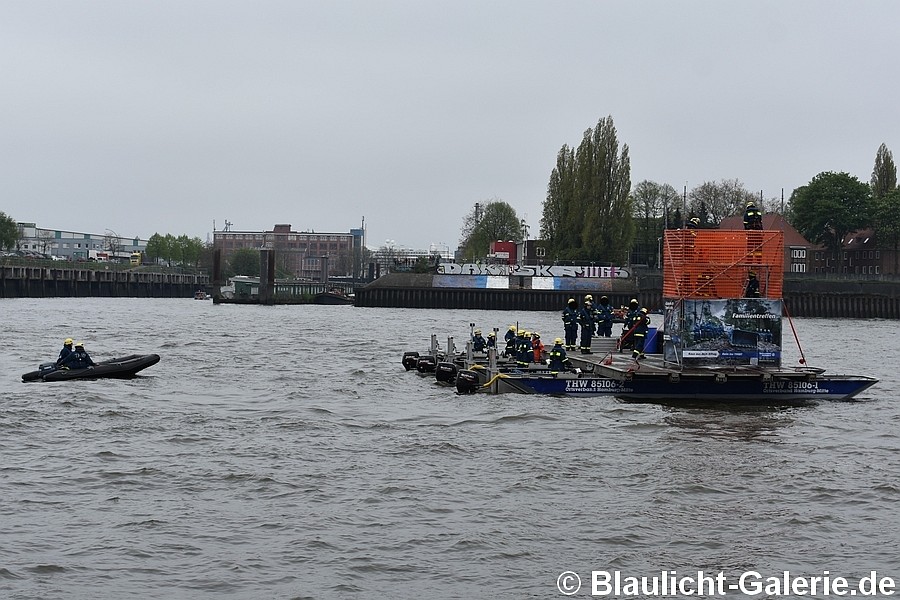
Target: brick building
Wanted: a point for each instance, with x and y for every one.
(303, 254)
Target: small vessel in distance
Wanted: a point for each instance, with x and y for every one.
(124, 367)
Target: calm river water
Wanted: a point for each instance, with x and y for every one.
(283, 452)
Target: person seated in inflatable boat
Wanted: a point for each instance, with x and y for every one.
(66, 351)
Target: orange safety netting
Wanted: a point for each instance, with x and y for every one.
(715, 263)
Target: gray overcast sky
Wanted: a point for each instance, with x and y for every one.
(165, 116)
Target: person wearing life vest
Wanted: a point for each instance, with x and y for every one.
(524, 353)
(492, 340)
(752, 286)
(66, 351)
(641, 326)
(510, 339)
(537, 347)
(586, 321)
(570, 323)
(604, 318)
(478, 341)
(631, 315)
(752, 217)
(558, 359)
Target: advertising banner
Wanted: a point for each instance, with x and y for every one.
(735, 331)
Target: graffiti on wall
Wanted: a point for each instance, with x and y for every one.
(533, 270)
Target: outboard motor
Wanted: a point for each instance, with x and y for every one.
(426, 364)
(445, 372)
(467, 382)
(409, 360)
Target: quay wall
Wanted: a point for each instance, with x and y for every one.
(51, 282)
(804, 297)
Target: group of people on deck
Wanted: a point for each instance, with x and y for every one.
(597, 321)
(525, 347)
(73, 356)
(591, 320)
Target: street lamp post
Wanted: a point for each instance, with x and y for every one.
(658, 253)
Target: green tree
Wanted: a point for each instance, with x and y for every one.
(186, 251)
(884, 175)
(494, 220)
(602, 200)
(886, 219)
(155, 248)
(829, 207)
(244, 261)
(9, 232)
(560, 200)
(587, 214)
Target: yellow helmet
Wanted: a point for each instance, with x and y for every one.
(588, 297)
(79, 345)
(558, 341)
(521, 332)
(492, 334)
(536, 334)
(68, 341)
(512, 327)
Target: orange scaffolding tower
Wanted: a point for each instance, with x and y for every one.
(716, 263)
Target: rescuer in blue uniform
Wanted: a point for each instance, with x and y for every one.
(604, 316)
(586, 320)
(66, 350)
(478, 341)
(627, 339)
(641, 326)
(510, 339)
(492, 340)
(752, 217)
(570, 324)
(752, 286)
(524, 351)
(558, 359)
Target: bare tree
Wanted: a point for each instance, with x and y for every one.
(713, 201)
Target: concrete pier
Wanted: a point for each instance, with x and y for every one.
(64, 282)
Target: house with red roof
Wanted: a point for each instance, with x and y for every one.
(798, 251)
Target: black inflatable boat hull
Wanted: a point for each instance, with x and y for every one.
(116, 368)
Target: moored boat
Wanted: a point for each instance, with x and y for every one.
(722, 338)
(652, 380)
(333, 297)
(124, 367)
